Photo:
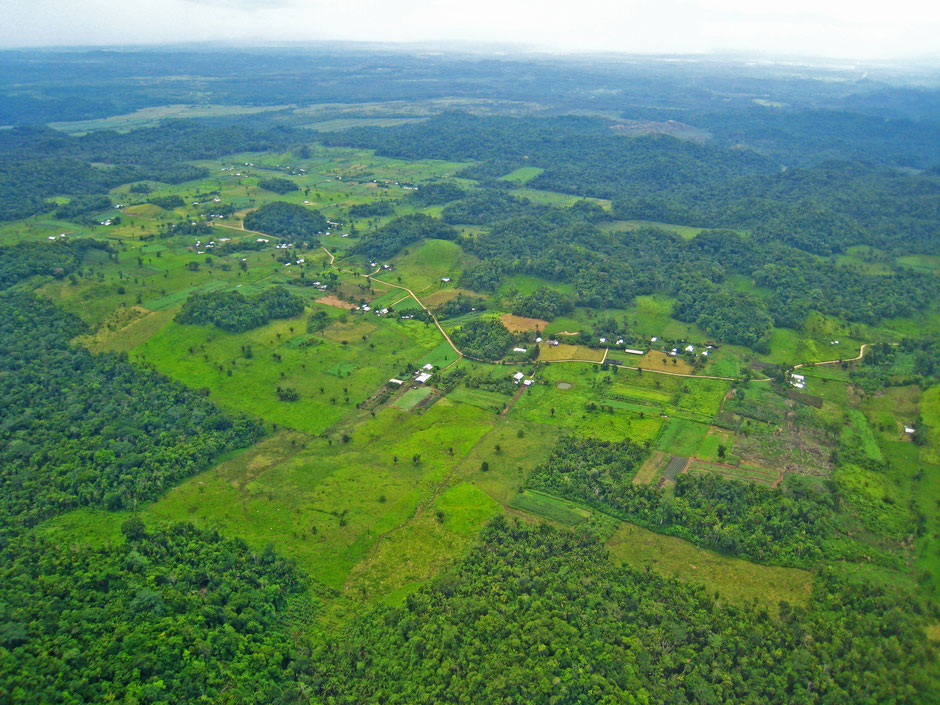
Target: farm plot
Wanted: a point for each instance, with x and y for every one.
(550, 507)
(661, 362)
(746, 473)
(651, 468)
(563, 351)
(441, 356)
(675, 467)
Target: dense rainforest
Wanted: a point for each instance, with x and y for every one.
(177, 615)
(37, 163)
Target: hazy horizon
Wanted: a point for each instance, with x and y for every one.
(825, 29)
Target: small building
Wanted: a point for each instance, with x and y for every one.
(538, 340)
(397, 382)
(653, 339)
(445, 279)
(518, 377)
(423, 377)
(519, 350)
(603, 340)
(633, 351)
(704, 353)
(428, 367)
(528, 382)
(690, 348)
(798, 378)
(909, 430)
(798, 385)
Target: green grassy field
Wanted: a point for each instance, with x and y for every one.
(490, 401)
(410, 399)
(523, 175)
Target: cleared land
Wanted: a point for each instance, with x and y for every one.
(517, 324)
(736, 580)
(563, 351)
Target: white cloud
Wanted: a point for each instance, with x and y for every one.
(862, 29)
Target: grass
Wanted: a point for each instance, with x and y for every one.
(523, 175)
(406, 558)
(682, 437)
(326, 503)
(567, 409)
(330, 379)
(441, 356)
(618, 226)
(511, 450)
(550, 507)
(563, 351)
(490, 401)
(737, 581)
(410, 399)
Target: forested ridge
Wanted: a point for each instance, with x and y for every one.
(609, 269)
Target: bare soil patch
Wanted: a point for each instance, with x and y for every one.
(331, 300)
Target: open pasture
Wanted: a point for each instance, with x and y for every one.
(330, 379)
(325, 502)
(571, 409)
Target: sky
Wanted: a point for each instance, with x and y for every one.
(856, 29)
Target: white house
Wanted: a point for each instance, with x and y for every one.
(633, 352)
(428, 367)
(423, 377)
(518, 349)
(518, 377)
